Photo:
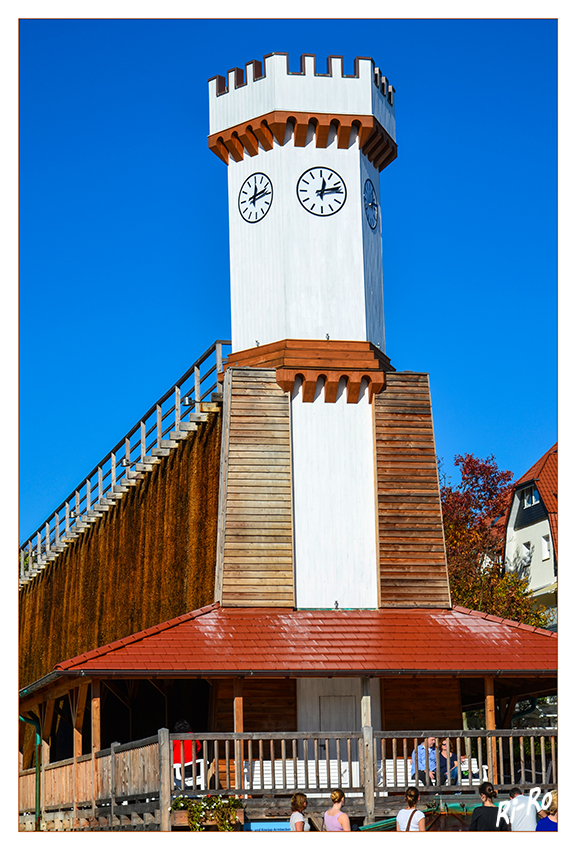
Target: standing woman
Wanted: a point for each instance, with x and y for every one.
(335, 820)
(411, 819)
(298, 823)
(485, 817)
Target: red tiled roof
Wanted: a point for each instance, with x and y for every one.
(271, 641)
(545, 473)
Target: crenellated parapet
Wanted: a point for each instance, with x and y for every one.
(267, 104)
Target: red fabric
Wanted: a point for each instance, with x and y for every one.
(188, 750)
(332, 642)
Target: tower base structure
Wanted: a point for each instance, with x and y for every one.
(329, 492)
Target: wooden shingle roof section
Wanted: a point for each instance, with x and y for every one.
(413, 568)
(255, 552)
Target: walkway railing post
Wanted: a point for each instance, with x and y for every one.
(113, 746)
(368, 745)
(165, 778)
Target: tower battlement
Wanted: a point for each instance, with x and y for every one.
(269, 86)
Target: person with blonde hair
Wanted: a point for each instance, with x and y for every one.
(298, 823)
(411, 819)
(485, 817)
(335, 820)
(549, 823)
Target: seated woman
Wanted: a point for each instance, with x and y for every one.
(447, 758)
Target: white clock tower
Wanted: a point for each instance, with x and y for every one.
(304, 151)
(299, 502)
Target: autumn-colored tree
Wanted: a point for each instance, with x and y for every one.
(474, 542)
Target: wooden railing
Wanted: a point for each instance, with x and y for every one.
(172, 415)
(504, 757)
(141, 778)
(118, 781)
(315, 763)
(274, 763)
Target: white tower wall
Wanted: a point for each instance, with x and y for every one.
(294, 275)
(335, 554)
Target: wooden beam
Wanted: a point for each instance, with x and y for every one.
(238, 705)
(490, 710)
(238, 727)
(113, 689)
(95, 716)
(489, 702)
(366, 703)
(79, 719)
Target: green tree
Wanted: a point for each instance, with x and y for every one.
(475, 540)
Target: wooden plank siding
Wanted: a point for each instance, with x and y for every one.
(413, 569)
(269, 705)
(255, 546)
(421, 703)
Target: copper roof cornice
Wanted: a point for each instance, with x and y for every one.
(315, 358)
(262, 132)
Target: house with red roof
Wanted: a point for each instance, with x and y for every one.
(531, 538)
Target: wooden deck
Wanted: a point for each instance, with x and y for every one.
(131, 786)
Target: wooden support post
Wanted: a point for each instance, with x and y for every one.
(368, 748)
(490, 710)
(77, 699)
(165, 779)
(95, 716)
(95, 735)
(113, 746)
(238, 727)
(46, 717)
(366, 703)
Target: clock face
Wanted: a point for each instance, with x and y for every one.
(321, 191)
(255, 197)
(370, 204)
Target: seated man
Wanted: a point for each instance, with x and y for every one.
(420, 761)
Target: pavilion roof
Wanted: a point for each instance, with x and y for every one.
(278, 642)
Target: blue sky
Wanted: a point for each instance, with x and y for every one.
(124, 277)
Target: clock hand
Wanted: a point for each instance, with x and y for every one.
(322, 190)
(336, 191)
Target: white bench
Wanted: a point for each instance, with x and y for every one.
(258, 775)
(200, 784)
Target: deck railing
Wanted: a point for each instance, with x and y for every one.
(505, 757)
(140, 779)
(150, 438)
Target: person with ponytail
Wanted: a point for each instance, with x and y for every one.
(411, 819)
(335, 820)
(485, 817)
